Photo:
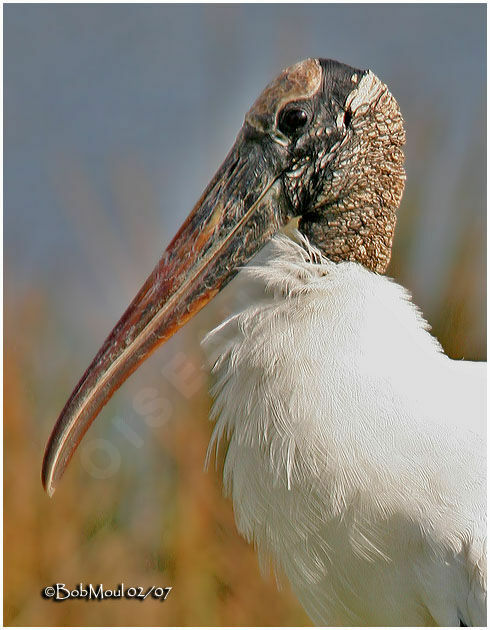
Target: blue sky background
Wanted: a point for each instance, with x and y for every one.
(99, 88)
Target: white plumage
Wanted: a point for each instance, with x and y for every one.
(356, 456)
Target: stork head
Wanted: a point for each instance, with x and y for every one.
(337, 134)
(323, 142)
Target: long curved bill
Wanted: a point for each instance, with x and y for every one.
(240, 209)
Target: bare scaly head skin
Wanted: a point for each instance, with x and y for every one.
(346, 176)
(323, 143)
(354, 216)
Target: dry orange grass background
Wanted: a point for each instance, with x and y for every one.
(159, 519)
(171, 527)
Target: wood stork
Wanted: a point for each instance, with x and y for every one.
(356, 456)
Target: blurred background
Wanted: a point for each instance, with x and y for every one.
(115, 118)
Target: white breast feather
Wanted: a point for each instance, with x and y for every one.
(356, 447)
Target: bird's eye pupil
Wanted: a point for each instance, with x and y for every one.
(347, 118)
(292, 119)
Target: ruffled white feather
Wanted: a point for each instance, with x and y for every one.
(356, 456)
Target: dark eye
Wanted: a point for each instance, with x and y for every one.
(291, 120)
(347, 118)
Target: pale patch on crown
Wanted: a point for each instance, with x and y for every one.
(367, 93)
